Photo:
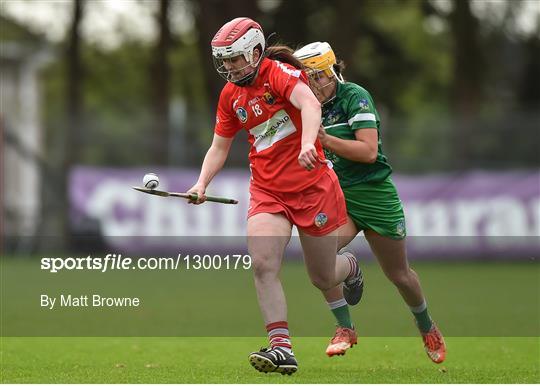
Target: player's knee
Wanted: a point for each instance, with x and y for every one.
(401, 279)
(322, 282)
(262, 267)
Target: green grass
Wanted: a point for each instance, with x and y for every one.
(224, 360)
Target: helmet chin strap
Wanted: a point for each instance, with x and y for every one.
(329, 100)
(332, 97)
(248, 79)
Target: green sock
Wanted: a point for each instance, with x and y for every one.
(423, 320)
(340, 309)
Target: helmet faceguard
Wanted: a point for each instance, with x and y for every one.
(317, 57)
(238, 37)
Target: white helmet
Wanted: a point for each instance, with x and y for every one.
(239, 36)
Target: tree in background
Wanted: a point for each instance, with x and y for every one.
(74, 106)
(74, 86)
(159, 79)
(468, 78)
(528, 89)
(468, 60)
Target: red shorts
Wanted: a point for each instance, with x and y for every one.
(317, 210)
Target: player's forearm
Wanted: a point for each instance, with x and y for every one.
(311, 120)
(212, 164)
(354, 150)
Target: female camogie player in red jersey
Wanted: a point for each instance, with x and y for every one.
(291, 184)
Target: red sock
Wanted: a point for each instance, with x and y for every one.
(353, 265)
(278, 335)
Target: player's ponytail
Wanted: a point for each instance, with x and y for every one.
(339, 67)
(283, 54)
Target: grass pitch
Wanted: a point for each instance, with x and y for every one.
(224, 360)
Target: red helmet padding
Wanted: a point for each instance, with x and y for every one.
(233, 30)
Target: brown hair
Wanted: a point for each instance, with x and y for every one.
(284, 54)
(339, 67)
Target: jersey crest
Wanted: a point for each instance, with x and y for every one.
(363, 104)
(268, 98)
(242, 114)
(332, 117)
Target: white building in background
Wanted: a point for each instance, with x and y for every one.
(20, 132)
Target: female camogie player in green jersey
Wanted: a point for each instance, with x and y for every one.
(351, 140)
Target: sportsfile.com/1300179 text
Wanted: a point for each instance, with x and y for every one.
(112, 262)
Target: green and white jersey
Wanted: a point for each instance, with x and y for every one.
(353, 109)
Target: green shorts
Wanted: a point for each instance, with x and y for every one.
(376, 206)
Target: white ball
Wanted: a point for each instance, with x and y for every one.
(150, 181)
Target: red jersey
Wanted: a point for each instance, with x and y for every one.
(273, 124)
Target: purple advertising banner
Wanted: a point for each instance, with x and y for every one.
(486, 215)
